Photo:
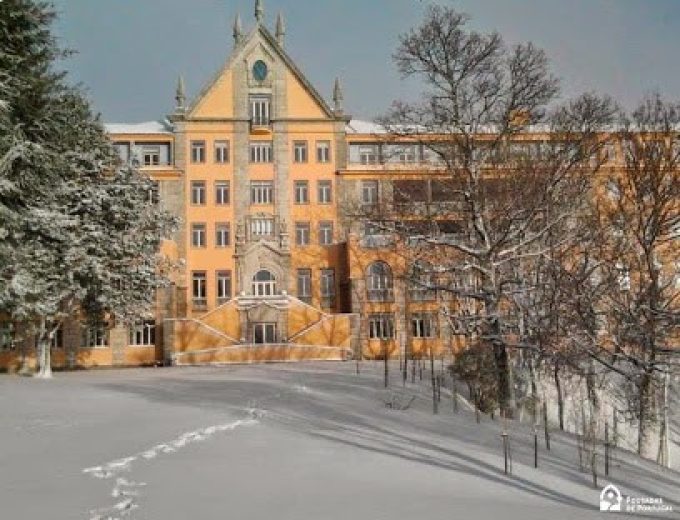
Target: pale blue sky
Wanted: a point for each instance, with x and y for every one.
(131, 51)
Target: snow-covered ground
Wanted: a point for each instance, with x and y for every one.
(289, 441)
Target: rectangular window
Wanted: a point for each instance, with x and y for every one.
(221, 152)
(151, 155)
(365, 154)
(260, 110)
(399, 153)
(301, 192)
(143, 333)
(423, 325)
(154, 192)
(323, 151)
(198, 288)
(325, 189)
(327, 283)
(95, 334)
(6, 336)
(58, 338)
(302, 233)
(222, 234)
(198, 193)
(221, 192)
(300, 151)
(325, 233)
(369, 192)
(261, 152)
(223, 287)
(197, 151)
(261, 192)
(380, 326)
(198, 235)
(304, 284)
(262, 227)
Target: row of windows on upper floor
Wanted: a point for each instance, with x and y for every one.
(264, 283)
(160, 154)
(261, 192)
(408, 153)
(262, 227)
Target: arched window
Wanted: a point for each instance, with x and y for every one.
(264, 283)
(379, 282)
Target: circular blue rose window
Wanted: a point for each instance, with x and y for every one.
(260, 70)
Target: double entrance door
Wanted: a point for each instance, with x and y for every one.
(264, 333)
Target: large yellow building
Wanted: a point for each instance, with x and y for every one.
(258, 166)
(272, 264)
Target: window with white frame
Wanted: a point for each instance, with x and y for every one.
(304, 284)
(323, 151)
(300, 151)
(198, 235)
(325, 192)
(302, 233)
(143, 333)
(154, 192)
(95, 334)
(151, 155)
(369, 192)
(423, 325)
(260, 110)
(264, 283)
(199, 288)
(261, 152)
(262, 227)
(223, 286)
(198, 193)
(301, 192)
(381, 326)
(197, 151)
(327, 283)
(222, 234)
(221, 152)
(222, 193)
(325, 233)
(379, 282)
(261, 192)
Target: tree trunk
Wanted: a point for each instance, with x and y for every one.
(560, 397)
(44, 352)
(435, 407)
(505, 400)
(644, 413)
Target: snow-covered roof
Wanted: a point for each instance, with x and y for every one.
(358, 126)
(147, 127)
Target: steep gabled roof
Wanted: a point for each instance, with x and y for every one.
(263, 32)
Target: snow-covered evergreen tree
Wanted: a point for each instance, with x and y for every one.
(78, 230)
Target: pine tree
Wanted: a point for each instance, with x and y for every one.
(78, 230)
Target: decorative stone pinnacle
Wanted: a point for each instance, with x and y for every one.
(338, 97)
(180, 96)
(280, 29)
(238, 29)
(259, 11)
